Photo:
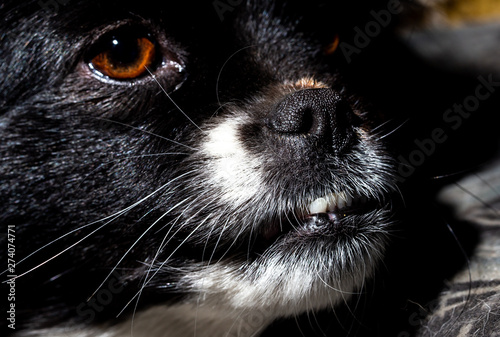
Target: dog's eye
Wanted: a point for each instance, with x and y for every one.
(332, 46)
(123, 55)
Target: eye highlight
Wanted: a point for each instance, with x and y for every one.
(124, 55)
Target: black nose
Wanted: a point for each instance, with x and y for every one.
(319, 115)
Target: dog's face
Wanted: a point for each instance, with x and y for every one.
(214, 163)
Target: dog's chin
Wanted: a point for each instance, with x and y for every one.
(295, 255)
(307, 264)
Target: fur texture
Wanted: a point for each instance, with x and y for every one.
(180, 199)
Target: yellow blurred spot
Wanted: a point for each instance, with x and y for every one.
(461, 11)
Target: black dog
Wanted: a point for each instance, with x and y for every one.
(189, 174)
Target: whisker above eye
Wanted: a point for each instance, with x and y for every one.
(222, 68)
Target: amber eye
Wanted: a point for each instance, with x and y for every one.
(123, 55)
(332, 46)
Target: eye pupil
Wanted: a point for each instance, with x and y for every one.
(123, 55)
(123, 51)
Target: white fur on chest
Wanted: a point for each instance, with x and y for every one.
(169, 321)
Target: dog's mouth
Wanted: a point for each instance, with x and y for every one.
(335, 214)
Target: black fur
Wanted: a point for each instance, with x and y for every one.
(77, 151)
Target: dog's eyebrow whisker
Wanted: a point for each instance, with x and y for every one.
(236, 320)
(171, 100)
(315, 318)
(222, 67)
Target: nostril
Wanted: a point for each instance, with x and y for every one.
(310, 111)
(308, 121)
(315, 114)
(293, 116)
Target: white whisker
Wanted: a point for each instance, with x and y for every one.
(111, 218)
(163, 244)
(221, 68)
(146, 132)
(63, 251)
(130, 248)
(138, 293)
(218, 241)
(394, 130)
(171, 100)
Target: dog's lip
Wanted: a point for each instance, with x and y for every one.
(321, 216)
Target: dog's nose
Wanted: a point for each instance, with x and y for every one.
(320, 115)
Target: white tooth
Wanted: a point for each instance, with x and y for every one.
(348, 201)
(341, 200)
(318, 206)
(332, 202)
